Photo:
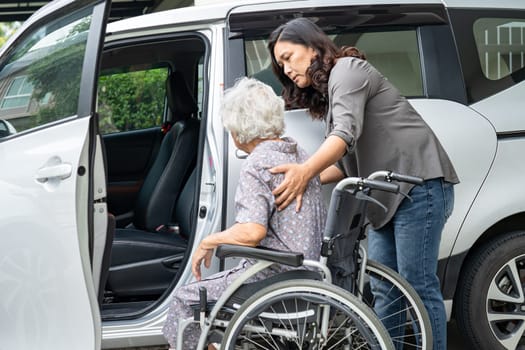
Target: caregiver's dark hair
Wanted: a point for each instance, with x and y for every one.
(302, 31)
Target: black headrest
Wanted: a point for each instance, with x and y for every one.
(180, 100)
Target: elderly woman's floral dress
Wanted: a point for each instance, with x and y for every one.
(254, 203)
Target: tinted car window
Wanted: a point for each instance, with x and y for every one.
(501, 46)
(394, 53)
(491, 44)
(40, 79)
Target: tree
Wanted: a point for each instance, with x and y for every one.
(6, 30)
(131, 101)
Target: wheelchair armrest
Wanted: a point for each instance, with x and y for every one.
(260, 253)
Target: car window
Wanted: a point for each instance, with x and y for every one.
(501, 46)
(491, 47)
(40, 79)
(394, 53)
(131, 98)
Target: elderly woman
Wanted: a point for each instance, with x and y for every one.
(254, 116)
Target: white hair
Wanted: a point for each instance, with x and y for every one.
(251, 110)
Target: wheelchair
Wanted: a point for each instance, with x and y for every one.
(407, 318)
(321, 304)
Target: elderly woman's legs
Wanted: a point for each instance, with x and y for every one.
(180, 310)
(185, 296)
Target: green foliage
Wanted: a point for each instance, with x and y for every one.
(6, 30)
(131, 101)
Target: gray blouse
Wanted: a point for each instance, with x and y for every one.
(382, 131)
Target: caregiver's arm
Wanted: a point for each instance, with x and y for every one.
(331, 174)
(297, 175)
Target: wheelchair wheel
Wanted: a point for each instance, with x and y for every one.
(407, 322)
(305, 314)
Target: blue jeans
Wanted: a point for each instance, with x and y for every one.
(409, 244)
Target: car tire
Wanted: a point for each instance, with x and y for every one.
(490, 304)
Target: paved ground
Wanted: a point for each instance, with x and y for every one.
(454, 340)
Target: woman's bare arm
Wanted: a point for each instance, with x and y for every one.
(248, 234)
(331, 174)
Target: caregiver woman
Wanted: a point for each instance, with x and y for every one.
(369, 127)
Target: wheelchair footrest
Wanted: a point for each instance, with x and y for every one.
(197, 309)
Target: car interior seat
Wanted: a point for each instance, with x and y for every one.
(174, 162)
(144, 256)
(144, 263)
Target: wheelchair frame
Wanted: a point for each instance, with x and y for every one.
(267, 257)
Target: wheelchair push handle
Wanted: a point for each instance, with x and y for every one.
(381, 185)
(360, 182)
(390, 175)
(407, 178)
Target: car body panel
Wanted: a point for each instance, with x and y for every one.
(504, 187)
(509, 126)
(472, 156)
(48, 298)
(501, 4)
(281, 5)
(496, 108)
(189, 17)
(44, 291)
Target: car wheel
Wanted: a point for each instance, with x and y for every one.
(490, 302)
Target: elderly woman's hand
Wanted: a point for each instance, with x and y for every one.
(196, 261)
(293, 186)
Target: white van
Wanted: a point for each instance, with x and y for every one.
(120, 163)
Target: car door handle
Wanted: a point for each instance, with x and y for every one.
(59, 171)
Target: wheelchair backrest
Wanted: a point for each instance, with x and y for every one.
(346, 214)
(344, 228)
